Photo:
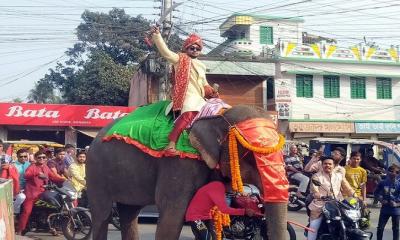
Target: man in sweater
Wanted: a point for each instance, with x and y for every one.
(190, 86)
(198, 214)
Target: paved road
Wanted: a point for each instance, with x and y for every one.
(147, 228)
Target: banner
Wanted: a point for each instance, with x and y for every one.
(283, 98)
(6, 210)
(60, 114)
(377, 127)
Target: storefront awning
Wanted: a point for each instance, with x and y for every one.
(90, 133)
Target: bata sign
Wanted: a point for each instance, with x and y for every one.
(59, 115)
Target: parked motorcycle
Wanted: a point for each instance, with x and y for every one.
(245, 227)
(54, 211)
(341, 219)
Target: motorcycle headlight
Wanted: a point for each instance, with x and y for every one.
(353, 214)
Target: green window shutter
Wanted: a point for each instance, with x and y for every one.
(266, 35)
(304, 86)
(331, 87)
(384, 88)
(357, 87)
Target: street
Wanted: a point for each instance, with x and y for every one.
(147, 228)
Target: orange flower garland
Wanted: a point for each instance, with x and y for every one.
(234, 135)
(220, 220)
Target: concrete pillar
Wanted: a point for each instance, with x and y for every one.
(3, 133)
(71, 136)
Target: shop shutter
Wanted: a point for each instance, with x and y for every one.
(331, 86)
(266, 35)
(357, 87)
(384, 88)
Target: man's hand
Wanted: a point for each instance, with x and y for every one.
(154, 30)
(42, 176)
(317, 195)
(5, 166)
(249, 212)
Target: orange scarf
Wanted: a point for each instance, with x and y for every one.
(181, 81)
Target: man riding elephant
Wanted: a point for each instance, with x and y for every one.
(190, 86)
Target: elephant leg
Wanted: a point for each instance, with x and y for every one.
(276, 215)
(170, 224)
(128, 217)
(100, 218)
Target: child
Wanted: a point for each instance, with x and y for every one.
(387, 192)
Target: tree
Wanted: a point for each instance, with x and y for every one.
(43, 92)
(102, 62)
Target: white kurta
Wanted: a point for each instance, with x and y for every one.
(194, 98)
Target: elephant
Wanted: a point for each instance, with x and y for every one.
(121, 173)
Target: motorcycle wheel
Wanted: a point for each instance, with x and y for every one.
(293, 204)
(115, 218)
(81, 231)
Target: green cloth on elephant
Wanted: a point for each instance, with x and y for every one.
(149, 126)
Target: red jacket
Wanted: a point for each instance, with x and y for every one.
(11, 173)
(34, 184)
(208, 196)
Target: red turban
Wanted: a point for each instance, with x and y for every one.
(192, 39)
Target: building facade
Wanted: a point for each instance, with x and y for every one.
(320, 88)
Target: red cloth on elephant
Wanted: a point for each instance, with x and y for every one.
(208, 196)
(180, 75)
(260, 132)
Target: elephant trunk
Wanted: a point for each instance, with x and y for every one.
(276, 215)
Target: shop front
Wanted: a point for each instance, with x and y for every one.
(74, 124)
(305, 131)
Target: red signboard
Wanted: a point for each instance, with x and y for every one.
(59, 114)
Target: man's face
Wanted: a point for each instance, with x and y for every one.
(22, 157)
(328, 165)
(82, 158)
(355, 161)
(41, 159)
(60, 155)
(193, 51)
(337, 156)
(293, 150)
(71, 151)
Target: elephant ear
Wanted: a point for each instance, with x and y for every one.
(207, 135)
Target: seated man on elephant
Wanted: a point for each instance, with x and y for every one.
(190, 86)
(210, 196)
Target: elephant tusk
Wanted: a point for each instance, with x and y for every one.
(302, 226)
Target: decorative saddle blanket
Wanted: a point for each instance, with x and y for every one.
(148, 128)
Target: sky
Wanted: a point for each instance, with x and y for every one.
(34, 34)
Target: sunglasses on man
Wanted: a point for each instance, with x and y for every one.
(194, 49)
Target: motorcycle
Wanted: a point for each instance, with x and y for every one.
(54, 211)
(245, 227)
(341, 219)
(296, 203)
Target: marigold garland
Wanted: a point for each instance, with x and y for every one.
(234, 135)
(220, 220)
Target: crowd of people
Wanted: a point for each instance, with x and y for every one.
(340, 178)
(31, 172)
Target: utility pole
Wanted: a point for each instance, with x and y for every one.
(166, 31)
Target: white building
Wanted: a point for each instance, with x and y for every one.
(321, 89)
(256, 34)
